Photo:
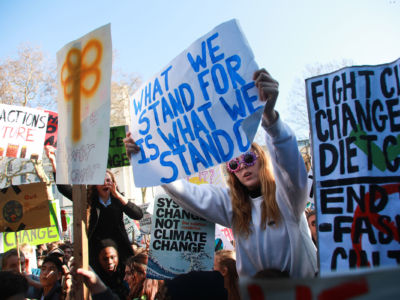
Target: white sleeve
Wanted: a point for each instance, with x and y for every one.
(207, 201)
(289, 168)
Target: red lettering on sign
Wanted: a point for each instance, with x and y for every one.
(346, 290)
(255, 292)
(303, 293)
(373, 217)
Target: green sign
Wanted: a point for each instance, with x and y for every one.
(35, 236)
(116, 151)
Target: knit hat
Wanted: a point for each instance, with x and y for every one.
(57, 252)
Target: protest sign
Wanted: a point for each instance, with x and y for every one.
(145, 222)
(379, 284)
(136, 232)
(131, 228)
(225, 235)
(38, 235)
(116, 150)
(51, 129)
(24, 207)
(180, 241)
(202, 109)
(355, 123)
(84, 70)
(212, 176)
(22, 131)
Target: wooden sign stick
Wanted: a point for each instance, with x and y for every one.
(81, 253)
(18, 253)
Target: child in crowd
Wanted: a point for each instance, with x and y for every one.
(106, 208)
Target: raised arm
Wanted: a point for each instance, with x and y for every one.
(207, 201)
(64, 189)
(289, 168)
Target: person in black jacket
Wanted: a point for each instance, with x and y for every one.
(106, 205)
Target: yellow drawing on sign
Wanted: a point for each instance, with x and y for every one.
(81, 74)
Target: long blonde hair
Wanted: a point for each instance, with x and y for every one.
(240, 199)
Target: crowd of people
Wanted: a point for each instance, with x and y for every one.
(264, 204)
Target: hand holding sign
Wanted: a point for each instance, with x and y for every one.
(268, 89)
(51, 154)
(130, 145)
(268, 92)
(201, 110)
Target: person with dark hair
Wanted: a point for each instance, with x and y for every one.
(67, 249)
(271, 274)
(51, 272)
(106, 205)
(13, 285)
(225, 263)
(135, 275)
(265, 202)
(57, 252)
(109, 269)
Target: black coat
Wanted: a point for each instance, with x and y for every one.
(115, 210)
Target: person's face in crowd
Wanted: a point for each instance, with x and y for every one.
(49, 274)
(108, 259)
(129, 276)
(12, 264)
(249, 175)
(313, 226)
(105, 189)
(67, 253)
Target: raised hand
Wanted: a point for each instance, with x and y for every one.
(268, 89)
(130, 145)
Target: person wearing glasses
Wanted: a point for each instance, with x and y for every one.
(264, 204)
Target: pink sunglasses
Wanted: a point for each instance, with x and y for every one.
(248, 158)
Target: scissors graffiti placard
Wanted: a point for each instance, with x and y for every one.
(84, 85)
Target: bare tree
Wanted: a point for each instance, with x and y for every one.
(120, 94)
(28, 80)
(121, 91)
(297, 97)
(123, 86)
